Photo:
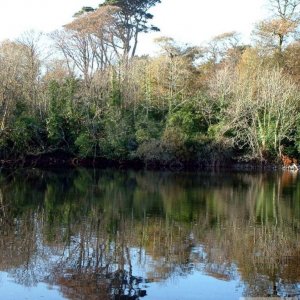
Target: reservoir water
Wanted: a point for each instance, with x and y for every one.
(107, 234)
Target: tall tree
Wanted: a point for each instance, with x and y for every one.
(275, 32)
(102, 29)
(133, 17)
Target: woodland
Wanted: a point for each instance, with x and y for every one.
(93, 98)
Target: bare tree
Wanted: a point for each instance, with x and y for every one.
(259, 108)
(102, 28)
(277, 31)
(217, 48)
(274, 34)
(31, 42)
(16, 71)
(77, 51)
(285, 9)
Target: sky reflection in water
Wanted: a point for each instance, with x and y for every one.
(104, 234)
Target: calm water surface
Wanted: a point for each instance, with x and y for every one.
(103, 234)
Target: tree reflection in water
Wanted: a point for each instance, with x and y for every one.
(109, 234)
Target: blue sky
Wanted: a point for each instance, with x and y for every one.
(189, 21)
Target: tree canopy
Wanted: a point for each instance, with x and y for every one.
(216, 103)
(130, 18)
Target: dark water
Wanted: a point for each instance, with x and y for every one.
(103, 234)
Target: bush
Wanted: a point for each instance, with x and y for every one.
(85, 144)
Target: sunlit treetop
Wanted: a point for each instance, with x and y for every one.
(135, 13)
(125, 20)
(85, 9)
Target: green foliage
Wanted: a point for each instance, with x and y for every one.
(173, 141)
(119, 139)
(188, 119)
(133, 18)
(25, 133)
(85, 144)
(297, 138)
(85, 9)
(148, 126)
(179, 106)
(63, 122)
(115, 90)
(137, 10)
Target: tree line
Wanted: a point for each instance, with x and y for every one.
(94, 97)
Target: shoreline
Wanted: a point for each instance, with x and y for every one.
(64, 160)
